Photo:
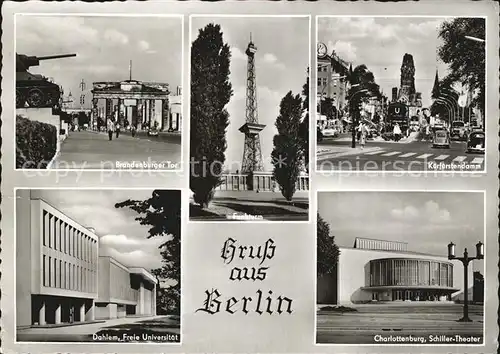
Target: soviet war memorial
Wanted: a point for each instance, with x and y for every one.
(87, 96)
(249, 146)
(416, 105)
(88, 270)
(398, 277)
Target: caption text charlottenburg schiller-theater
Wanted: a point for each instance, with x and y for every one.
(60, 276)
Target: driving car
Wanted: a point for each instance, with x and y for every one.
(476, 142)
(458, 130)
(441, 139)
(153, 132)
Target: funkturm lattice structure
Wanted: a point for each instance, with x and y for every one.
(252, 154)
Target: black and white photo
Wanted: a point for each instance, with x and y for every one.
(401, 94)
(98, 265)
(98, 92)
(390, 268)
(249, 126)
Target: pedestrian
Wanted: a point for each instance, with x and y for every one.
(397, 132)
(133, 130)
(117, 129)
(363, 132)
(111, 129)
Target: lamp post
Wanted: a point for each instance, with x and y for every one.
(475, 39)
(465, 261)
(354, 114)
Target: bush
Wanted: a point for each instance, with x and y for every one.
(36, 143)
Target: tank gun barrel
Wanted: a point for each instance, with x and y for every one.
(24, 62)
(59, 56)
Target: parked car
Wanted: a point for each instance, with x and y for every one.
(441, 139)
(329, 132)
(476, 142)
(458, 130)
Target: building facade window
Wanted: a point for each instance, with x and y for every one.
(410, 272)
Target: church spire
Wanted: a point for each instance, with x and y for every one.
(435, 88)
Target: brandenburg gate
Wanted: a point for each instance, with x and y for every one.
(132, 101)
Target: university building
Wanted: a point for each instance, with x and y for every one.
(378, 270)
(60, 277)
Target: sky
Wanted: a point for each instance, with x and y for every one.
(427, 221)
(104, 46)
(281, 66)
(120, 236)
(380, 43)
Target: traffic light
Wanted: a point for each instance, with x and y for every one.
(82, 99)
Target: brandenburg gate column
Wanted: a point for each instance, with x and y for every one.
(95, 114)
(138, 121)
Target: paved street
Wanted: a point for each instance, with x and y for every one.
(244, 205)
(413, 324)
(337, 155)
(92, 150)
(97, 331)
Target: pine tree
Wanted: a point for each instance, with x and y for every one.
(287, 154)
(327, 251)
(210, 93)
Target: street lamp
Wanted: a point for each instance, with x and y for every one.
(475, 39)
(465, 261)
(351, 101)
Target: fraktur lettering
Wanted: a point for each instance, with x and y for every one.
(214, 304)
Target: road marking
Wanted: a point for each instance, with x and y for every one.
(442, 157)
(408, 154)
(478, 160)
(424, 156)
(459, 158)
(374, 152)
(392, 153)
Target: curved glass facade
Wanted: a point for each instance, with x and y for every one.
(410, 272)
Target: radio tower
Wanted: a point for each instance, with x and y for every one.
(252, 155)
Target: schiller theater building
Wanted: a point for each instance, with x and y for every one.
(60, 276)
(378, 270)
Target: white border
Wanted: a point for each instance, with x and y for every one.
(78, 14)
(182, 237)
(407, 191)
(407, 172)
(309, 211)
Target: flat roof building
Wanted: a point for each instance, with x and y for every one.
(56, 265)
(380, 270)
(60, 276)
(124, 291)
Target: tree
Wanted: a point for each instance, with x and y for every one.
(327, 251)
(466, 58)
(287, 153)
(210, 93)
(304, 125)
(327, 108)
(163, 213)
(362, 86)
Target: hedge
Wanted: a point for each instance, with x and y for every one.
(36, 143)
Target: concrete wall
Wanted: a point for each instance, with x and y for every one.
(23, 258)
(103, 289)
(354, 274)
(106, 311)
